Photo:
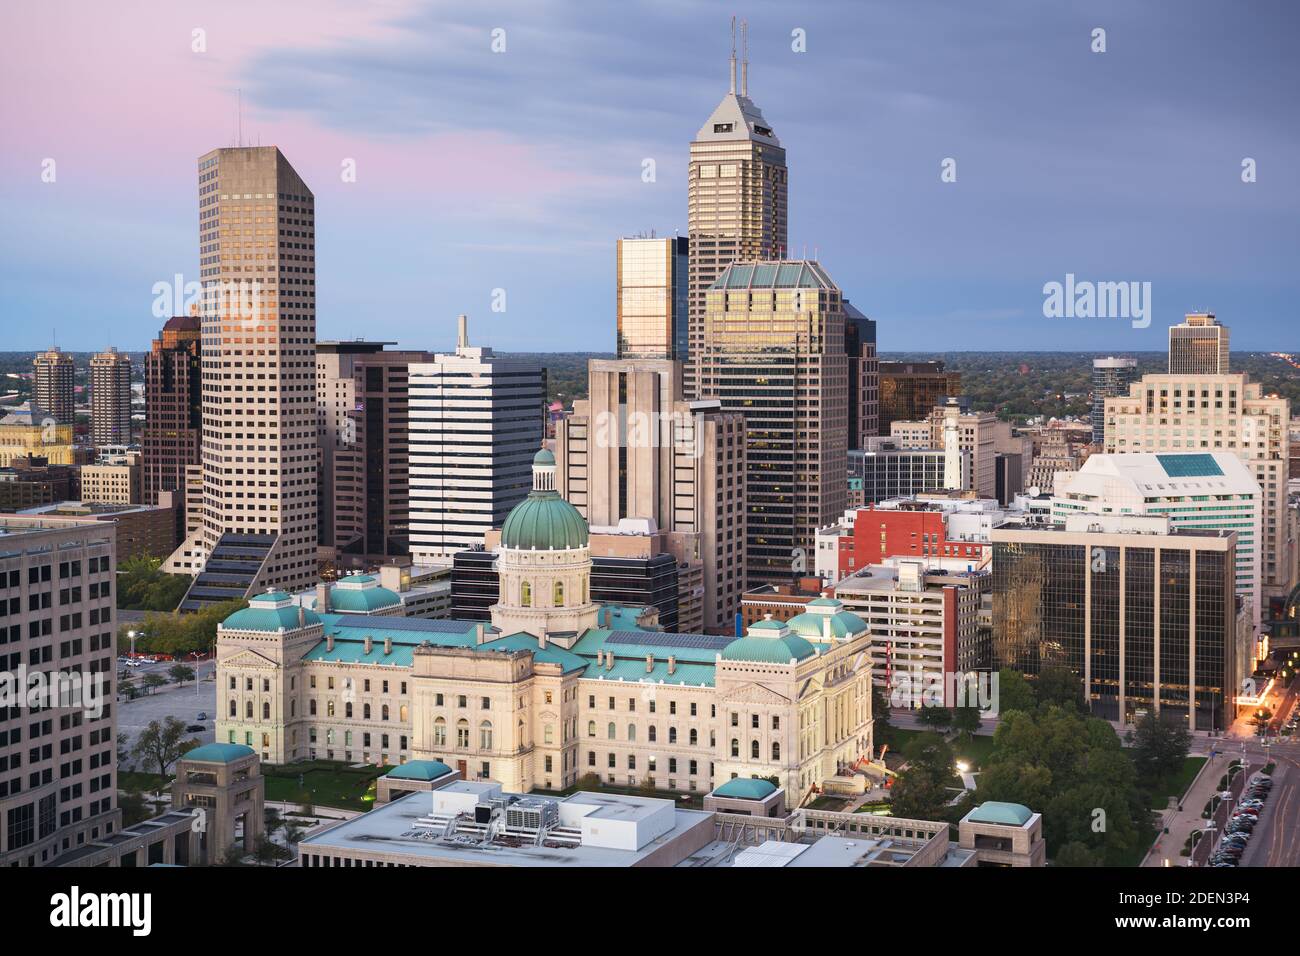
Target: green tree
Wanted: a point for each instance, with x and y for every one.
(152, 681)
(133, 807)
(879, 713)
(1060, 686)
(966, 720)
(143, 586)
(160, 744)
(1076, 854)
(920, 790)
(1159, 747)
(180, 673)
(1260, 719)
(936, 717)
(1014, 692)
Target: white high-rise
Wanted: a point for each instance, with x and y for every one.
(475, 424)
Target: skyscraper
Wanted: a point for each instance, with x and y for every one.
(1198, 346)
(651, 298)
(635, 449)
(173, 407)
(864, 376)
(362, 397)
(773, 348)
(110, 398)
(257, 262)
(736, 199)
(53, 385)
(475, 423)
(910, 390)
(1110, 377)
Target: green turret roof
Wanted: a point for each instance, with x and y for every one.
(218, 753)
(746, 789)
(272, 611)
(544, 521)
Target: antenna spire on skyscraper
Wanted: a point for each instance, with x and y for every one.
(733, 55)
(744, 62)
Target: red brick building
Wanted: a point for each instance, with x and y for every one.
(881, 534)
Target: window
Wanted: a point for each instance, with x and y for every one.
(485, 735)
(776, 722)
(735, 747)
(672, 735)
(558, 596)
(653, 734)
(462, 733)
(526, 594)
(631, 731)
(234, 711)
(440, 733)
(776, 751)
(591, 728)
(753, 721)
(753, 749)
(266, 710)
(610, 732)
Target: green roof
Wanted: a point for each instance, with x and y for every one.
(742, 788)
(262, 614)
(362, 600)
(218, 753)
(768, 650)
(420, 770)
(995, 811)
(1190, 466)
(842, 624)
(544, 457)
(544, 522)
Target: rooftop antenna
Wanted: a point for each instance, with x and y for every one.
(733, 55)
(239, 117)
(744, 62)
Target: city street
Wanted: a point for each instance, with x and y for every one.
(185, 703)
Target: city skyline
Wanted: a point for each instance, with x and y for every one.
(527, 193)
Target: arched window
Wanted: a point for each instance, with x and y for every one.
(653, 734)
(384, 712)
(439, 732)
(610, 732)
(329, 708)
(776, 751)
(462, 733)
(234, 709)
(365, 711)
(694, 737)
(485, 735)
(311, 706)
(631, 731)
(735, 747)
(558, 596)
(672, 735)
(347, 709)
(293, 708)
(526, 594)
(266, 710)
(401, 712)
(753, 749)
(248, 710)
(591, 728)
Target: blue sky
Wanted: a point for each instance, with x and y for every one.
(518, 170)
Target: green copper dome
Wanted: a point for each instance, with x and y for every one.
(544, 521)
(843, 624)
(768, 650)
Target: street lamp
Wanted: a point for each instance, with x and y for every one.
(131, 634)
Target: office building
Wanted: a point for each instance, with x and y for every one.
(652, 298)
(362, 434)
(635, 451)
(969, 442)
(32, 481)
(58, 751)
(1198, 346)
(736, 200)
(257, 260)
(475, 422)
(110, 398)
(173, 412)
(780, 602)
(1194, 490)
(924, 630)
(773, 349)
(1144, 614)
(885, 470)
(54, 385)
(554, 687)
(1164, 414)
(116, 478)
(31, 431)
(864, 376)
(141, 531)
(909, 391)
(1110, 377)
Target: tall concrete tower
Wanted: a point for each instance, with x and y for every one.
(736, 200)
(110, 398)
(53, 385)
(257, 265)
(952, 478)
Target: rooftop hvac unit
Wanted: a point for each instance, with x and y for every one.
(533, 815)
(483, 813)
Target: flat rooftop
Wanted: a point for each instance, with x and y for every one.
(390, 829)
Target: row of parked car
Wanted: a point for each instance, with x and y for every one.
(1237, 831)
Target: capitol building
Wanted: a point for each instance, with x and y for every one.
(555, 688)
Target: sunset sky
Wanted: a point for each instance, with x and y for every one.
(518, 170)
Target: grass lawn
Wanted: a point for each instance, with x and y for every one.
(1176, 784)
(974, 751)
(324, 784)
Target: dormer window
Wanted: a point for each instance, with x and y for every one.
(762, 131)
(723, 127)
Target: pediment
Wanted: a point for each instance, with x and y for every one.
(754, 694)
(249, 658)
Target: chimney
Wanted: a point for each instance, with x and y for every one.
(388, 646)
(462, 331)
(600, 657)
(479, 633)
(609, 660)
(672, 664)
(370, 644)
(322, 598)
(329, 642)
(649, 663)
(541, 638)
(302, 616)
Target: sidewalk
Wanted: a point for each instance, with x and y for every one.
(1180, 823)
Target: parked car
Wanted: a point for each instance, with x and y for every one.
(195, 729)
(202, 716)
